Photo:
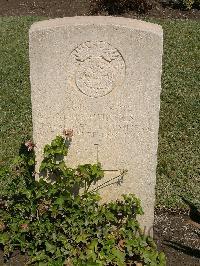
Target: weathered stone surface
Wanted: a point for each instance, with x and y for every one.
(101, 77)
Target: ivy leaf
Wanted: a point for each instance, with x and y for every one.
(60, 201)
(93, 245)
(4, 238)
(82, 238)
(42, 264)
(162, 259)
(119, 256)
(50, 248)
(40, 257)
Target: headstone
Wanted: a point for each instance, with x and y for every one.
(101, 77)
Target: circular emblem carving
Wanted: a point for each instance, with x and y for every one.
(98, 68)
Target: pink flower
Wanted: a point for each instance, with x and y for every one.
(30, 145)
(68, 133)
(2, 226)
(24, 226)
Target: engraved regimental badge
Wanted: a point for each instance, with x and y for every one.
(98, 68)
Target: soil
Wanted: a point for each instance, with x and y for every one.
(175, 233)
(178, 237)
(62, 8)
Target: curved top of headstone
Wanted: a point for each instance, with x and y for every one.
(98, 20)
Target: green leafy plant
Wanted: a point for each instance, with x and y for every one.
(183, 4)
(60, 221)
(188, 3)
(121, 6)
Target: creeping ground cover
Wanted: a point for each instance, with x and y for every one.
(59, 220)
